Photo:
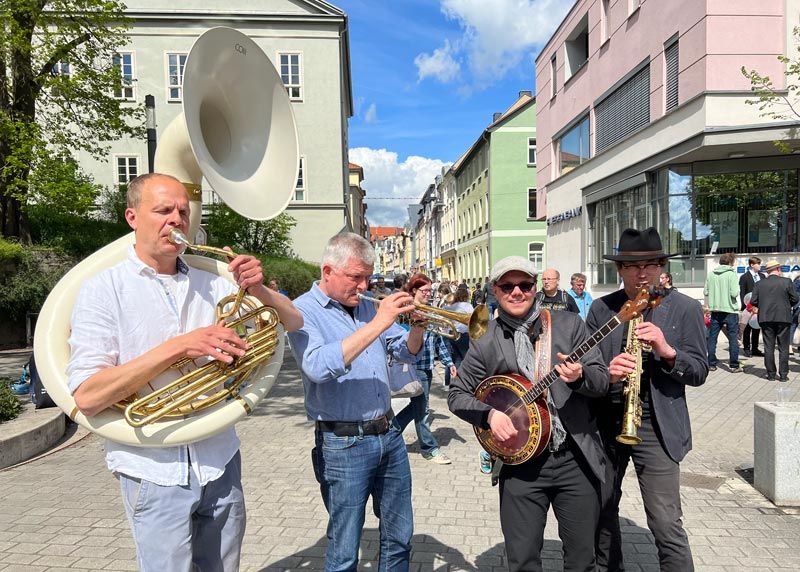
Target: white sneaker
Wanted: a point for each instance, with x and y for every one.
(439, 458)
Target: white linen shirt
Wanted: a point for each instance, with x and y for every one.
(126, 311)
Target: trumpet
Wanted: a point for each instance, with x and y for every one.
(443, 322)
(192, 391)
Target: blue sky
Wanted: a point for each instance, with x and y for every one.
(427, 76)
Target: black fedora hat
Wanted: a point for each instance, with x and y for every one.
(637, 245)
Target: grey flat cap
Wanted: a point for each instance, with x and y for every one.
(510, 263)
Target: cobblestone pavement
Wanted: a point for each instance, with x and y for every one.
(63, 511)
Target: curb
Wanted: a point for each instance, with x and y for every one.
(38, 431)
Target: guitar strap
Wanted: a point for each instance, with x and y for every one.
(541, 364)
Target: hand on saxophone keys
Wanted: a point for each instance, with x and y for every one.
(650, 334)
(622, 365)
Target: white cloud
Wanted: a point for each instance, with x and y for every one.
(371, 115)
(385, 176)
(439, 65)
(496, 34)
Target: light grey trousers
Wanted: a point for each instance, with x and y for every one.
(185, 528)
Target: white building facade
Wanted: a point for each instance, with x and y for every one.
(307, 42)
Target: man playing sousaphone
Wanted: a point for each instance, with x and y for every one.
(129, 324)
(673, 356)
(568, 472)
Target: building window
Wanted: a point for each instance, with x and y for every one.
(671, 77)
(123, 61)
(532, 203)
(623, 112)
(573, 146)
(127, 169)
(576, 48)
(553, 76)
(175, 65)
(531, 151)
(62, 68)
(300, 188)
(604, 35)
(291, 75)
(536, 254)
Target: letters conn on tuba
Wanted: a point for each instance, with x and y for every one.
(238, 131)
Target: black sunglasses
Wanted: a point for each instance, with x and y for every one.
(523, 286)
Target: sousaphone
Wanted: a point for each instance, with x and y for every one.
(238, 131)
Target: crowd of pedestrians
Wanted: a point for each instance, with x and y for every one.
(744, 308)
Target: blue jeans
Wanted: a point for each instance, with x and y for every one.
(349, 470)
(419, 412)
(187, 527)
(731, 322)
(458, 351)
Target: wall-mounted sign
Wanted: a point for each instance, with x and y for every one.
(566, 215)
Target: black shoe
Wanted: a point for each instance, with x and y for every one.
(758, 353)
(769, 376)
(747, 353)
(784, 378)
(712, 368)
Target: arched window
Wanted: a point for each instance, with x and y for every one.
(536, 254)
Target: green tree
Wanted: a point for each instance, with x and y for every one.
(772, 102)
(270, 238)
(58, 81)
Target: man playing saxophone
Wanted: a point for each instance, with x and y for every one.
(671, 347)
(130, 323)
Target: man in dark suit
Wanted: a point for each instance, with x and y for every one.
(774, 297)
(674, 356)
(569, 471)
(747, 282)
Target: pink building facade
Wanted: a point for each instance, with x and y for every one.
(642, 120)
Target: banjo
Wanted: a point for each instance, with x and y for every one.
(526, 402)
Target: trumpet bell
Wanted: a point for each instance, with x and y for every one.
(478, 321)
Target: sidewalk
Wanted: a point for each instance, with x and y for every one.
(63, 511)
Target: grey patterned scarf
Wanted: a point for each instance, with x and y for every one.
(523, 347)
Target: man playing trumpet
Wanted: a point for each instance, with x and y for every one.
(676, 357)
(129, 324)
(342, 352)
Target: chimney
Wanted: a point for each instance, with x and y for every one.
(496, 115)
(527, 92)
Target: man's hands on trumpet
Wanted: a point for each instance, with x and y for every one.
(392, 307)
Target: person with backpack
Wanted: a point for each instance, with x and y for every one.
(552, 297)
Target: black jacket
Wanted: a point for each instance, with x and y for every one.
(746, 285)
(494, 354)
(774, 297)
(681, 320)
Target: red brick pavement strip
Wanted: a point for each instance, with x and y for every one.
(64, 511)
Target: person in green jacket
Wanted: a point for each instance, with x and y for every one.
(722, 295)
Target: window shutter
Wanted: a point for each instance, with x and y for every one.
(671, 61)
(624, 111)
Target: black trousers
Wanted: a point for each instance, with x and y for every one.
(750, 339)
(776, 332)
(564, 480)
(659, 482)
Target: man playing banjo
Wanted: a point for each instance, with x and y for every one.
(569, 471)
(129, 324)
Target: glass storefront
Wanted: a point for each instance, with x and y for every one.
(702, 214)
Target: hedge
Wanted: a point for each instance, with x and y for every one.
(10, 405)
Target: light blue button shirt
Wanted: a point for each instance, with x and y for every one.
(335, 391)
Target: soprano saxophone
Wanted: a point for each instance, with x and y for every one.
(632, 414)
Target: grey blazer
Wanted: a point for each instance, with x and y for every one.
(774, 297)
(681, 320)
(494, 354)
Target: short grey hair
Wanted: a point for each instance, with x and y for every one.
(137, 185)
(346, 245)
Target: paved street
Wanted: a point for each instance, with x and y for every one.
(63, 511)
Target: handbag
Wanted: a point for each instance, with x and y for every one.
(403, 380)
